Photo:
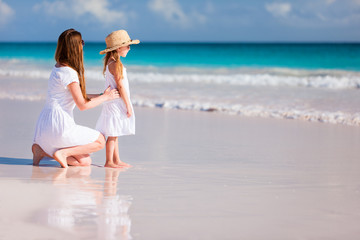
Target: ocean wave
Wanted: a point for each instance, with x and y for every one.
(337, 117)
(272, 77)
(348, 81)
(24, 73)
(250, 110)
(22, 97)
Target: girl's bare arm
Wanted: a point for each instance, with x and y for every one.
(121, 89)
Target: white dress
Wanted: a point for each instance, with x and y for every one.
(113, 120)
(56, 128)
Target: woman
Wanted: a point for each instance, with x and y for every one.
(56, 134)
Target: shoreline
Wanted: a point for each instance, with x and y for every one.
(241, 111)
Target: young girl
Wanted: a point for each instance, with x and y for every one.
(117, 117)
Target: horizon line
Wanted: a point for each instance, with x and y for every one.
(210, 42)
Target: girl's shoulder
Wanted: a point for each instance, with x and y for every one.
(113, 67)
(110, 61)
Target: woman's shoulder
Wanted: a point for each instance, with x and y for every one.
(65, 70)
(65, 73)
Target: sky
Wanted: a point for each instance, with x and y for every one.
(183, 20)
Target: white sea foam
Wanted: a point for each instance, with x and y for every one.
(24, 73)
(276, 92)
(257, 111)
(22, 97)
(250, 110)
(267, 79)
(242, 77)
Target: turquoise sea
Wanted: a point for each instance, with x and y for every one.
(210, 55)
(309, 81)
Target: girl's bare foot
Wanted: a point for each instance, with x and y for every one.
(60, 157)
(38, 154)
(112, 165)
(123, 164)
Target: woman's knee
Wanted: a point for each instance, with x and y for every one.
(101, 141)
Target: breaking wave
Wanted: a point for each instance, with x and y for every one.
(312, 115)
(273, 77)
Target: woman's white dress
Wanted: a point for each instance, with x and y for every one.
(113, 120)
(56, 128)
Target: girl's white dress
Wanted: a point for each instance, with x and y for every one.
(56, 128)
(113, 120)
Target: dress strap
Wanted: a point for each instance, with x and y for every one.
(110, 62)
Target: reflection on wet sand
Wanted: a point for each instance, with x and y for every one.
(84, 207)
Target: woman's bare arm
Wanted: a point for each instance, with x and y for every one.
(91, 95)
(82, 104)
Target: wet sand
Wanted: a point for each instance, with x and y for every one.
(196, 175)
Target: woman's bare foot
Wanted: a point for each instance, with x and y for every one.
(38, 154)
(112, 165)
(60, 157)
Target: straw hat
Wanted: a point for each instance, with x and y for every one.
(118, 39)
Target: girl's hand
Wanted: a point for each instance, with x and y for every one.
(111, 94)
(129, 112)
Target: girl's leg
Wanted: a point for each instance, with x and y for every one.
(117, 160)
(110, 151)
(111, 180)
(38, 154)
(116, 152)
(62, 155)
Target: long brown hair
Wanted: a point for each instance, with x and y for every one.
(119, 66)
(69, 52)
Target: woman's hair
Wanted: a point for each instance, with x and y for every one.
(70, 52)
(119, 66)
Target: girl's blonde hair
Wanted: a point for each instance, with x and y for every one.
(70, 53)
(119, 66)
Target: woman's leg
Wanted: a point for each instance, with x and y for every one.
(117, 160)
(62, 155)
(79, 160)
(110, 151)
(38, 154)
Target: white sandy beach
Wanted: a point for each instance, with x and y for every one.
(196, 175)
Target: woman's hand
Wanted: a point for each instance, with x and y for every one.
(111, 94)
